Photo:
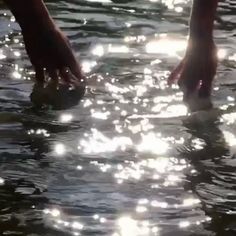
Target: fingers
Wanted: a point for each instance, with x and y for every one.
(189, 80)
(39, 74)
(72, 64)
(53, 74)
(64, 67)
(77, 71)
(69, 77)
(175, 74)
(210, 72)
(66, 74)
(206, 85)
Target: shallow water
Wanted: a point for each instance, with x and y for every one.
(125, 161)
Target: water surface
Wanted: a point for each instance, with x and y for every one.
(122, 162)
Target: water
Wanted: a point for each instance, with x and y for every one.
(125, 161)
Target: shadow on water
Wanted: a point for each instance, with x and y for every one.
(213, 180)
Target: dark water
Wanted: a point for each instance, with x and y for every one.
(122, 162)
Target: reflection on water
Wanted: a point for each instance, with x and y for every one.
(128, 160)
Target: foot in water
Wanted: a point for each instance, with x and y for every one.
(50, 53)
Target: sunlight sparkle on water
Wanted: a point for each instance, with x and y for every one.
(130, 227)
(163, 164)
(156, 203)
(172, 4)
(103, 220)
(96, 217)
(155, 167)
(60, 149)
(43, 132)
(139, 38)
(152, 143)
(87, 66)
(2, 56)
(166, 46)
(98, 143)
(143, 201)
(100, 1)
(17, 54)
(115, 89)
(190, 201)
(79, 167)
(184, 224)
(166, 99)
(229, 138)
(12, 19)
(54, 212)
(179, 9)
(229, 118)
(141, 209)
(118, 48)
(87, 103)
(222, 53)
(65, 118)
(174, 111)
(100, 115)
(77, 225)
(2, 181)
(16, 75)
(130, 172)
(233, 57)
(198, 143)
(98, 50)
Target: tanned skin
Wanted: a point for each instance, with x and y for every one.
(197, 70)
(48, 48)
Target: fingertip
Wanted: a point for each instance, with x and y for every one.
(65, 74)
(54, 76)
(175, 74)
(72, 77)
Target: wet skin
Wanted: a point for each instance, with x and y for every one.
(59, 79)
(49, 49)
(197, 70)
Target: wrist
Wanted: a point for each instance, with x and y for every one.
(32, 15)
(200, 46)
(201, 31)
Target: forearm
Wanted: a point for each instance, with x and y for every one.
(30, 14)
(202, 19)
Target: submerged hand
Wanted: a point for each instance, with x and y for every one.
(59, 79)
(51, 55)
(195, 74)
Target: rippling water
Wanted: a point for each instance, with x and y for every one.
(126, 161)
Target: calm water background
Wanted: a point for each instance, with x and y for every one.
(122, 162)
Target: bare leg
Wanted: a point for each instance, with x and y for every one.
(196, 71)
(47, 47)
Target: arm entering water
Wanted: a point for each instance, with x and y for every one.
(197, 70)
(48, 48)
